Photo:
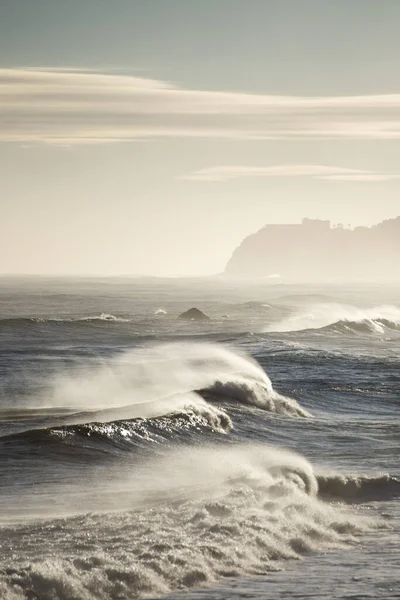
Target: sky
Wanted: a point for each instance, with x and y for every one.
(149, 138)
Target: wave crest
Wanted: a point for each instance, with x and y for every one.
(254, 393)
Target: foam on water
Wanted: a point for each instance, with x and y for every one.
(188, 519)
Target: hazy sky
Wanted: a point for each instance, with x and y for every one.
(151, 136)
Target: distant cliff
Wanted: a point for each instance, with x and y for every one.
(313, 250)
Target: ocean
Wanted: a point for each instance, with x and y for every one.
(254, 455)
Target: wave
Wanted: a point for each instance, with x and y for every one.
(340, 318)
(26, 321)
(101, 317)
(82, 434)
(252, 305)
(303, 298)
(170, 394)
(358, 488)
(153, 381)
(254, 393)
(192, 518)
(367, 326)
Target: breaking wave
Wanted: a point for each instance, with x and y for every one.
(367, 326)
(193, 518)
(153, 381)
(338, 318)
(169, 394)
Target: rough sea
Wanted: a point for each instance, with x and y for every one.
(255, 455)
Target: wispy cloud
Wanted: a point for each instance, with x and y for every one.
(363, 177)
(69, 107)
(226, 173)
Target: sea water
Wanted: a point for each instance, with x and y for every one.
(255, 455)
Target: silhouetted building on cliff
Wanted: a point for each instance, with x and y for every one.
(313, 250)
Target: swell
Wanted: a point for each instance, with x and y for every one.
(353, 488)
(81, 439)
(18, 322)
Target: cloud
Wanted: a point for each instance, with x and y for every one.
(226, 173)
(71, 107)
(363, 177)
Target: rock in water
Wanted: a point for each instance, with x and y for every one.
(194, 314)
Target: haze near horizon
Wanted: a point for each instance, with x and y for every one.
(152, 138)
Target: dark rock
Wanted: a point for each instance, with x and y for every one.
(194, 314)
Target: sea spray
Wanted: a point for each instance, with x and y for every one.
(151, 381)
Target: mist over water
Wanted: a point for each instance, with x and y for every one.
(142, 456)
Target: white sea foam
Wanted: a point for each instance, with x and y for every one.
(194, 517)
(105, 317)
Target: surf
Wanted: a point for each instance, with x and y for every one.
(340, 318)
(178, 521)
